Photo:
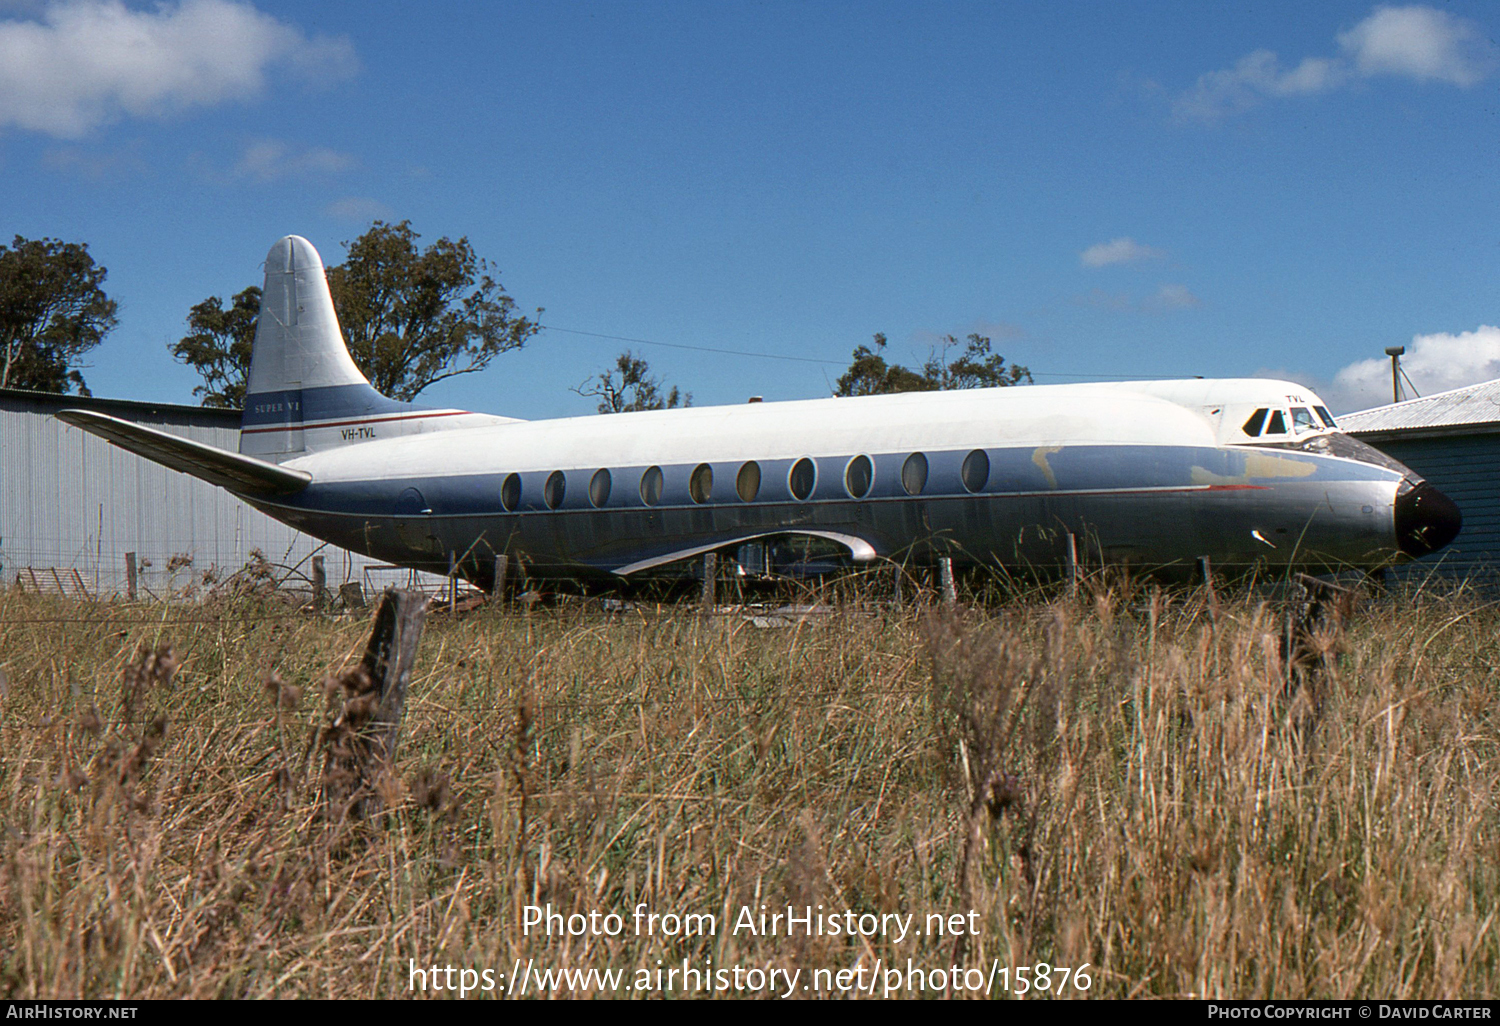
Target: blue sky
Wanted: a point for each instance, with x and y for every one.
(1105, 189)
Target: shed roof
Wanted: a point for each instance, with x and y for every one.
(130, 409)
(1473, 407)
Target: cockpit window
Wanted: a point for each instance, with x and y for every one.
(1277, 425)
(1327, 417)
(1254, 424)
(1302, 420)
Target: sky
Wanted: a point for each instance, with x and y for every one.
(743, 192)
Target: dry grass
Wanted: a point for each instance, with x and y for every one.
(1117, 779)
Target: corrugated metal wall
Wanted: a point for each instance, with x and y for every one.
(1467, 469)
(71, 500)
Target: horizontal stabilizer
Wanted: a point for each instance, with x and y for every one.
(860, 550)
(243, 474)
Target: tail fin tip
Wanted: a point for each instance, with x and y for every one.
(300, 367)
(305, 392)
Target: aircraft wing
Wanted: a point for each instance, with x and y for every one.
(860, 550)
(229, 470)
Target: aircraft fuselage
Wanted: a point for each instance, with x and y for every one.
(1149, 473)
(995, 476)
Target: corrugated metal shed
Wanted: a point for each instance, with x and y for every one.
(1459, 410)
(1453, 440)
(72, 502)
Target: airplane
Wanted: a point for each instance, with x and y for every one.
(1239, 472)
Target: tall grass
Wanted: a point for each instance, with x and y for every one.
(1125, 779)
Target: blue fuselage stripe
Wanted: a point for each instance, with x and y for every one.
(1013, 471)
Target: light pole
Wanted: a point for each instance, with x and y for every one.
(1395, 353)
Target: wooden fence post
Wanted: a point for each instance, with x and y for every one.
(319, 584)
(361, 744)
(710, 579)
(502, 569)
(130, 576)
(388, 660)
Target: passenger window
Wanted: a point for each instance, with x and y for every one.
(1277, 425)
(1256, 421)
(510, 492)
(747, 483)
(803, 478)
(651, 486)
(976, 470)
(599, 486)
(914, 474)
(555, 488)
(1327, 417)
(1302, 420)
(701, 484)
(858, 476)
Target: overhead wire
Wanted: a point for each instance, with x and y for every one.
(796, 359)
(700, 349)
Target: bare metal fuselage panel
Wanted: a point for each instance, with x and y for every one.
(1147, 505)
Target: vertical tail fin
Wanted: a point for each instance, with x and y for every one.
(304, 393)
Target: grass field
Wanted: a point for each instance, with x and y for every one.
(1125, 780)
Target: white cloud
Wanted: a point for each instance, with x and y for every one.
(1172, 297)
(1256, 75)
(1118, 251)
(1414, 42)
(1434, 363)
(266, 160)
(1420, 43)
(88, 62)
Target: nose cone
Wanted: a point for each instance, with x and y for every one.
(1426, 520)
